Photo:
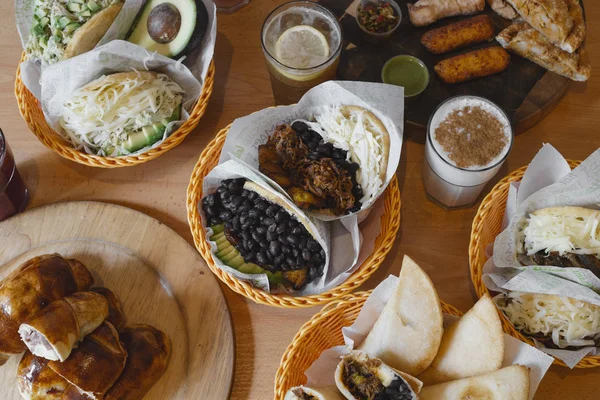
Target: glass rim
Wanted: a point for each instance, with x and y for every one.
(323, 9)
(512, 135)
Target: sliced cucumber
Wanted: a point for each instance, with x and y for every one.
(84, 14)
(44, 22)
(63, 21)
(37, 30)
(40, 13)
(74, 7)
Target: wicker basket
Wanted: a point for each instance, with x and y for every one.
(32, 113)
(321, 332)
(486, 226)
(390, 222)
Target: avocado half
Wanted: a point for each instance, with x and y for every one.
(172, 28)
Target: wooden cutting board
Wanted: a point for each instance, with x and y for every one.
(525, 91)
(160, 279)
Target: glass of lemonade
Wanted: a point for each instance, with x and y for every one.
(302, 42)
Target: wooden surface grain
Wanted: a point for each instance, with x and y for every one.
(437, 239)
(159, 278)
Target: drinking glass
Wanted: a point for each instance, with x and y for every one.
(451, 186)
(13, 193)
(290, 82)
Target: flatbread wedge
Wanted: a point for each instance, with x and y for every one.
(473, 345)
(577, 35)
(550, 17)
(522, 39)
(90, 33)
(509, 383)
(408, 332)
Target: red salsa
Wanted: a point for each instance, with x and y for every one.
(377, 17)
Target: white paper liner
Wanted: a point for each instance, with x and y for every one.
(111, 55)
(60, 80)
(321, 372)
(385, 101)
(548, 182)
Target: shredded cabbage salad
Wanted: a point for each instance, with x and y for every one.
(55, 22)
(101, 115)
(562, 233)
(362, 144)
(569, 322)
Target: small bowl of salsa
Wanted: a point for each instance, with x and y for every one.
(378, 19)
(406, 71)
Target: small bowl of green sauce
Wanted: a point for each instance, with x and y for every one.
(406, 71)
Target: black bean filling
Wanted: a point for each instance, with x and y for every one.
(263, 232)
(320, 149)
(364, 385)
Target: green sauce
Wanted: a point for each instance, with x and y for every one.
(408, 72)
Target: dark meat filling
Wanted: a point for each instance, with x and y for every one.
(316, 174)
(569, 260)
(301, 394)
(364, 385)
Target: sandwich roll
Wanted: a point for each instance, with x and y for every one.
(473, 345)
(32, 286)
(115, 310)
(561, 237)
(149, 350)
(57, 329)
(509, 383)
(359, 376)
(313, 393)
(96, 364)
(409, 330)
(37, 381)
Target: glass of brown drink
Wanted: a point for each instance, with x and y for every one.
(302, 42)
(13, 193)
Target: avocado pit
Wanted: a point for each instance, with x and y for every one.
(164, 23)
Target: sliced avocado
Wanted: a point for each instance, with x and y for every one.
(226, 251)
(217, 229)
(246, 268)
(172, 28)
(149, 134)
(236, 261)
(221, 241)
(217, 236)
(230, 256)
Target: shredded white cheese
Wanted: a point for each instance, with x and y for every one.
(101, 115)
(569, 322)
(562, 233)
(362, 144)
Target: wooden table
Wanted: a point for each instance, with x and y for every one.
(437, 239)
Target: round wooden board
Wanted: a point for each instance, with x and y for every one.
(526, 91)
(160, 279)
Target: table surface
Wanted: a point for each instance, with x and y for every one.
(437, 239)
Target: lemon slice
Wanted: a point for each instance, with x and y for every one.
(302, 46)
